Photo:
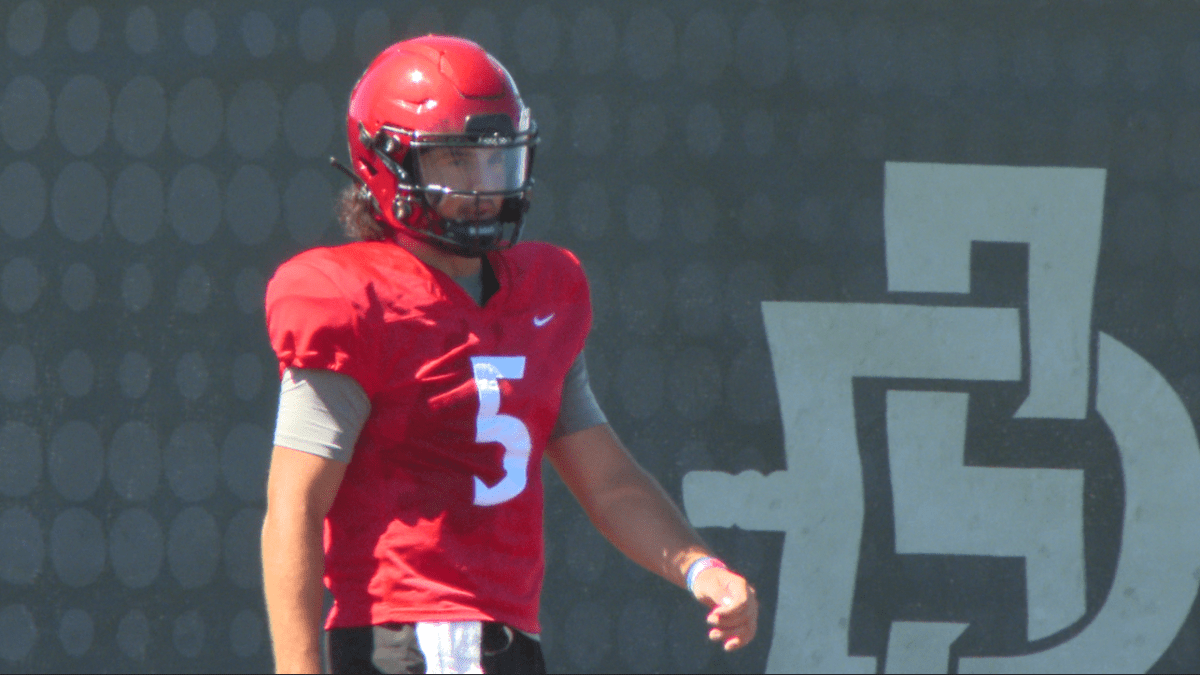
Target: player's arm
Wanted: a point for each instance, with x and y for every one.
(300, 489)
(320, 416)
(632, 510)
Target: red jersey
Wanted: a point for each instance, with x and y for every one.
(439, 515)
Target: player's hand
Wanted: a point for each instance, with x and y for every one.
(734, 616)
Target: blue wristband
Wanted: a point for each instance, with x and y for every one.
(699, 566)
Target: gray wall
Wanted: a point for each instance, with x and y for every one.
(966, 408)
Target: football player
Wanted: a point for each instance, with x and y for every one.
(426, 370)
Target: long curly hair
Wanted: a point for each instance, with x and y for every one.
(356, 211)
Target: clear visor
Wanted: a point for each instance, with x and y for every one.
(473, 168)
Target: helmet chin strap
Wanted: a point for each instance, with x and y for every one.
(467, 237)
(446, 244)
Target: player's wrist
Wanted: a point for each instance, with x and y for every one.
(697, 567)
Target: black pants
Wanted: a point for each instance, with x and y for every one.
(393, 648)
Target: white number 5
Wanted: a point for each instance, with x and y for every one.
(492, 427)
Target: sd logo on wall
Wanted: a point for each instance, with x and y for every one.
(950, 500)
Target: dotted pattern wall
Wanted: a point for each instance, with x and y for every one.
(157, 161)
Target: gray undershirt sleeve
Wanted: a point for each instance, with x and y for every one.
(322, 412)
(579, 409)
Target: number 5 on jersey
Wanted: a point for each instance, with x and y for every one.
(492, 427)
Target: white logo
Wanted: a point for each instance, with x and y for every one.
(540, 321)
(933, 215)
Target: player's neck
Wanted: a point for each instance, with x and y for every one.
(454, 265)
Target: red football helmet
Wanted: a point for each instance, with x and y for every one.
(442, 142)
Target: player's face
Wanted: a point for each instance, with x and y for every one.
(473, 169)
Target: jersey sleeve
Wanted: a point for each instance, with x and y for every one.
(312, 324)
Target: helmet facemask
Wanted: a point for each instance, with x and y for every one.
(465, 193)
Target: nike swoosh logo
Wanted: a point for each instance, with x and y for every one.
(540, 321)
